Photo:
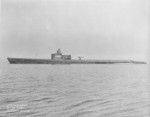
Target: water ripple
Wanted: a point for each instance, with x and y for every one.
(74, 91)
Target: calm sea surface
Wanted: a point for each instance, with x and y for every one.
(115, 90)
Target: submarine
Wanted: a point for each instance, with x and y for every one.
(59, 58)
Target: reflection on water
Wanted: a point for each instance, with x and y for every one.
(120, 90)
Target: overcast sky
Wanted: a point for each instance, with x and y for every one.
(99, 29)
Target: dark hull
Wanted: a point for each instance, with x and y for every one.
(49, 61)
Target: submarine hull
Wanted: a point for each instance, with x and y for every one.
(49, 61)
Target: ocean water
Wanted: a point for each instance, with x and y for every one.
(115, 90)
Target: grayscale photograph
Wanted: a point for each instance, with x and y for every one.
(74, 58)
